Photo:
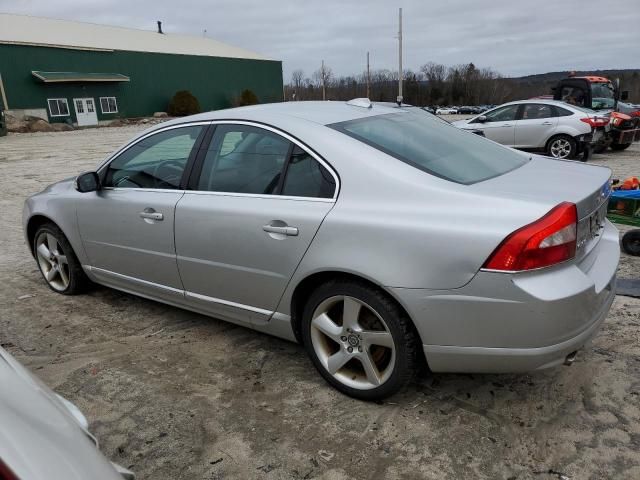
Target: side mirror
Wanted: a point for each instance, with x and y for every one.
(624, 95)
(87, 182)
(481, 119)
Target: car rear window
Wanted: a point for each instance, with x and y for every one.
(433, 146)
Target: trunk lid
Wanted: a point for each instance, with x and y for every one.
(549, 182)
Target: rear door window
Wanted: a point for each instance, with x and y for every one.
(535, 111)
(243, 159)
(306, 177)
(433, 146)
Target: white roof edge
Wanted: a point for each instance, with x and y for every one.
(39, 31)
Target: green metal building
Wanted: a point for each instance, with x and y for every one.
(65, 71)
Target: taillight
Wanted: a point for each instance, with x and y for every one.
(595, 121)
(545, 242)
(6, 473)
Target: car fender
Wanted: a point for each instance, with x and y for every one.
(58, 204)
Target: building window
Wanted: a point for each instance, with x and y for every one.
(58, 107)
(108, 105)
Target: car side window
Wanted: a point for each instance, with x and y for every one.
(306, 177)
(504, 114)
(563, 112)
(157, 161)
(243, 159)
(535, 111)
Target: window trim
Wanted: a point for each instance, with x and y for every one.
(102, 169)
(66, 102)
(102, 109)
(192, 170)
(197, 167)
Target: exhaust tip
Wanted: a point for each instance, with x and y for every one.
(570, 358)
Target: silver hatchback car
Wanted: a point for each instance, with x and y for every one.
(376, 236)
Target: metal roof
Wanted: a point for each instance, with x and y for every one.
(28, 30)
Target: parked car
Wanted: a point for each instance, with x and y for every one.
(44, 436)
(560, 130)
(446, 111)
(466, 110)
(365, 232)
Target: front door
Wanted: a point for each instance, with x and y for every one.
(253, 212)
(85, 111)
(499, 124)
(127, 226)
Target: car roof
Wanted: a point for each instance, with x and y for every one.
(323, 113)
(539, 101)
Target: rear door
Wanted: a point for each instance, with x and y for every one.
(255, 202)
(536, 124)
(499, 124)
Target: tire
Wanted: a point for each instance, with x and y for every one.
(383, 341)
(620, 146)
(562, 147)
(631, 242)
(57, 261)
(600, 148)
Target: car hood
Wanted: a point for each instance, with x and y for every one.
(462, 124)
(39, 438)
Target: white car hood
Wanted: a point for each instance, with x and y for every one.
(39, 438)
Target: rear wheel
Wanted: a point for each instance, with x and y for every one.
(57, 262)
(562, 147)
(360, 341)
(620, 146)
(631, 242)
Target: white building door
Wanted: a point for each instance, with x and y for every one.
(85, 111)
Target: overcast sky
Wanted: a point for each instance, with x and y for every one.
(514, 37)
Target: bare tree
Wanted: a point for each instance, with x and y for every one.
(297, 81)
(323, 77)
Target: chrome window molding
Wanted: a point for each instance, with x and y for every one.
(277, 131)
(127, 146)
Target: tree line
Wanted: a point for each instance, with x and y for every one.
(434, 84)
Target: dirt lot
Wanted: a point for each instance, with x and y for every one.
(175, 395)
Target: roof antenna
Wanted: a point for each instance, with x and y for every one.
(160, 27)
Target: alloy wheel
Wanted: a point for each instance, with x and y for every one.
(52, 261)
(352, 342)
(560, 148)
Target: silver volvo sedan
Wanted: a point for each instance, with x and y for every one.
(376, 236)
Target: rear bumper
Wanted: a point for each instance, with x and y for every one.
(500, 323)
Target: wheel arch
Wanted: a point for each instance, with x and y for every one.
(307, 285)
(35, 222)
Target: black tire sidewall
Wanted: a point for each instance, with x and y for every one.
(572, 142)
(77, 278)
(398, 324)
(618, 147)
(631, 242)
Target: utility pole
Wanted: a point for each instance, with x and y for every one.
(400, 57)
(324, 95)
(368, 78)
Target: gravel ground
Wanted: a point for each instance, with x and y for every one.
(176, 395)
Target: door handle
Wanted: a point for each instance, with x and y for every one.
(506, 125)
(282, 230)
(546, 123)
(151, 214)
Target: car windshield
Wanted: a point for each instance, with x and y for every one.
(602, 96)
(434, 146)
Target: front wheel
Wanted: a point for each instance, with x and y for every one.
(359, 340)
(620, 146)
(57, 262)
(562, 147)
